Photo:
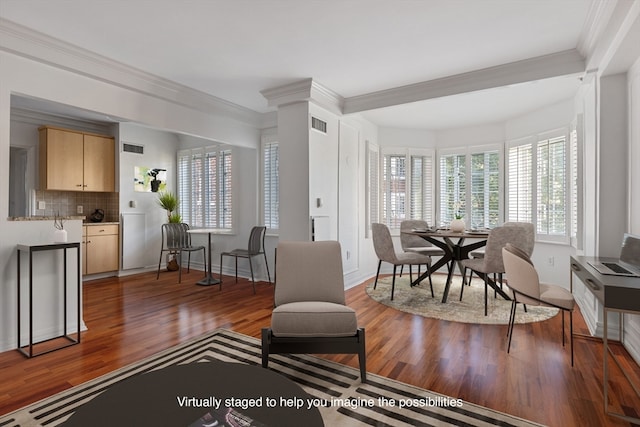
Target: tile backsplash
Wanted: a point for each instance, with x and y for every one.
(65, 203)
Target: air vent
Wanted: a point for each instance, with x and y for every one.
(131, 148)
(318, 125)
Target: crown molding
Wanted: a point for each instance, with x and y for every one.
(25, 42)
(557, 64)
(306, 90)
(595, 24)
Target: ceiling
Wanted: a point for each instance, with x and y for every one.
(234, 49)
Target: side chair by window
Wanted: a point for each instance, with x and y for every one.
(524, 282)
(175, 240)
(254, 248)
(310, 314)
(383, 245)
(492, 263)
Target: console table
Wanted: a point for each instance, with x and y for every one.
(615, 293)
(28, 349)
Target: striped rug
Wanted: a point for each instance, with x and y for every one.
(320, 378)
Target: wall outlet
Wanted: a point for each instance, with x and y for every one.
(551, 261)
(42, 205)
(79, 209)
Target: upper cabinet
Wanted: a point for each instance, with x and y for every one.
(76, 161)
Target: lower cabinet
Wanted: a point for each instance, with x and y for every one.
(101, 248)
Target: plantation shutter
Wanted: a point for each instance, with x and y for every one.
(520, 178)
(485, 189)
(271, 185)
(394, 178)
(551, 191)
(421, 194)
(452, 186)
(205, 187)
(373, 182)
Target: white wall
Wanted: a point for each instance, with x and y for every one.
(159, 152)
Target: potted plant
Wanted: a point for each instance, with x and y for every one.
(457, 225)
(169, 202)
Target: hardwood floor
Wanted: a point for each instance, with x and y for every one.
(133, 317)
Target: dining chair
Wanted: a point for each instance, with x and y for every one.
(527, 246)
(492, 263)
(310, 313)
(254, 248)
(524, 283)
(175, 240)
(413, 243)
(383, 246)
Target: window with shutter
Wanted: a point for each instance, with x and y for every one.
(453, 184)
(205, 187)
(373, 186)
(395, 190)
(271, 185)
(421, 195)
(538, 185)
(485, 189)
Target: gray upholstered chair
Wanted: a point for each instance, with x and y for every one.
(254, 248)
(492, 263)
(175, 240)
(527, 246)
(383, 245)
(525, 285)
(413, 243)
(310, 315)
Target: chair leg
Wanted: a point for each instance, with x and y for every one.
(159, 262)
(563, 340)
(377, 274)
(430, 280)
(486, 286)
(265, 346)
(464, 274)
(266, 264)
(253, 281)
(362, 355)
(221, 255)
(393, 281)
(410, 273)
(179, 266)
(189, 262)
(402, 269)
(512, 321)
(236, 269)
(571, 332)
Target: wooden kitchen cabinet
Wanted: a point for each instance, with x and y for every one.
(101, 248)
(76, 161)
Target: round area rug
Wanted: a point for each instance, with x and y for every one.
(418, 300)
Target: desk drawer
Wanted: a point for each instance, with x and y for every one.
(589, 280)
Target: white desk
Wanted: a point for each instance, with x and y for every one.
(209, 279)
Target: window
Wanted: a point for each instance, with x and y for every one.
(453, 184)
(538, 185)
(271, 185)
(470, 186)
(205, 187)
(373, 182)
(407, 190)
(485, 189)
(575, 150)
(395, 189)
